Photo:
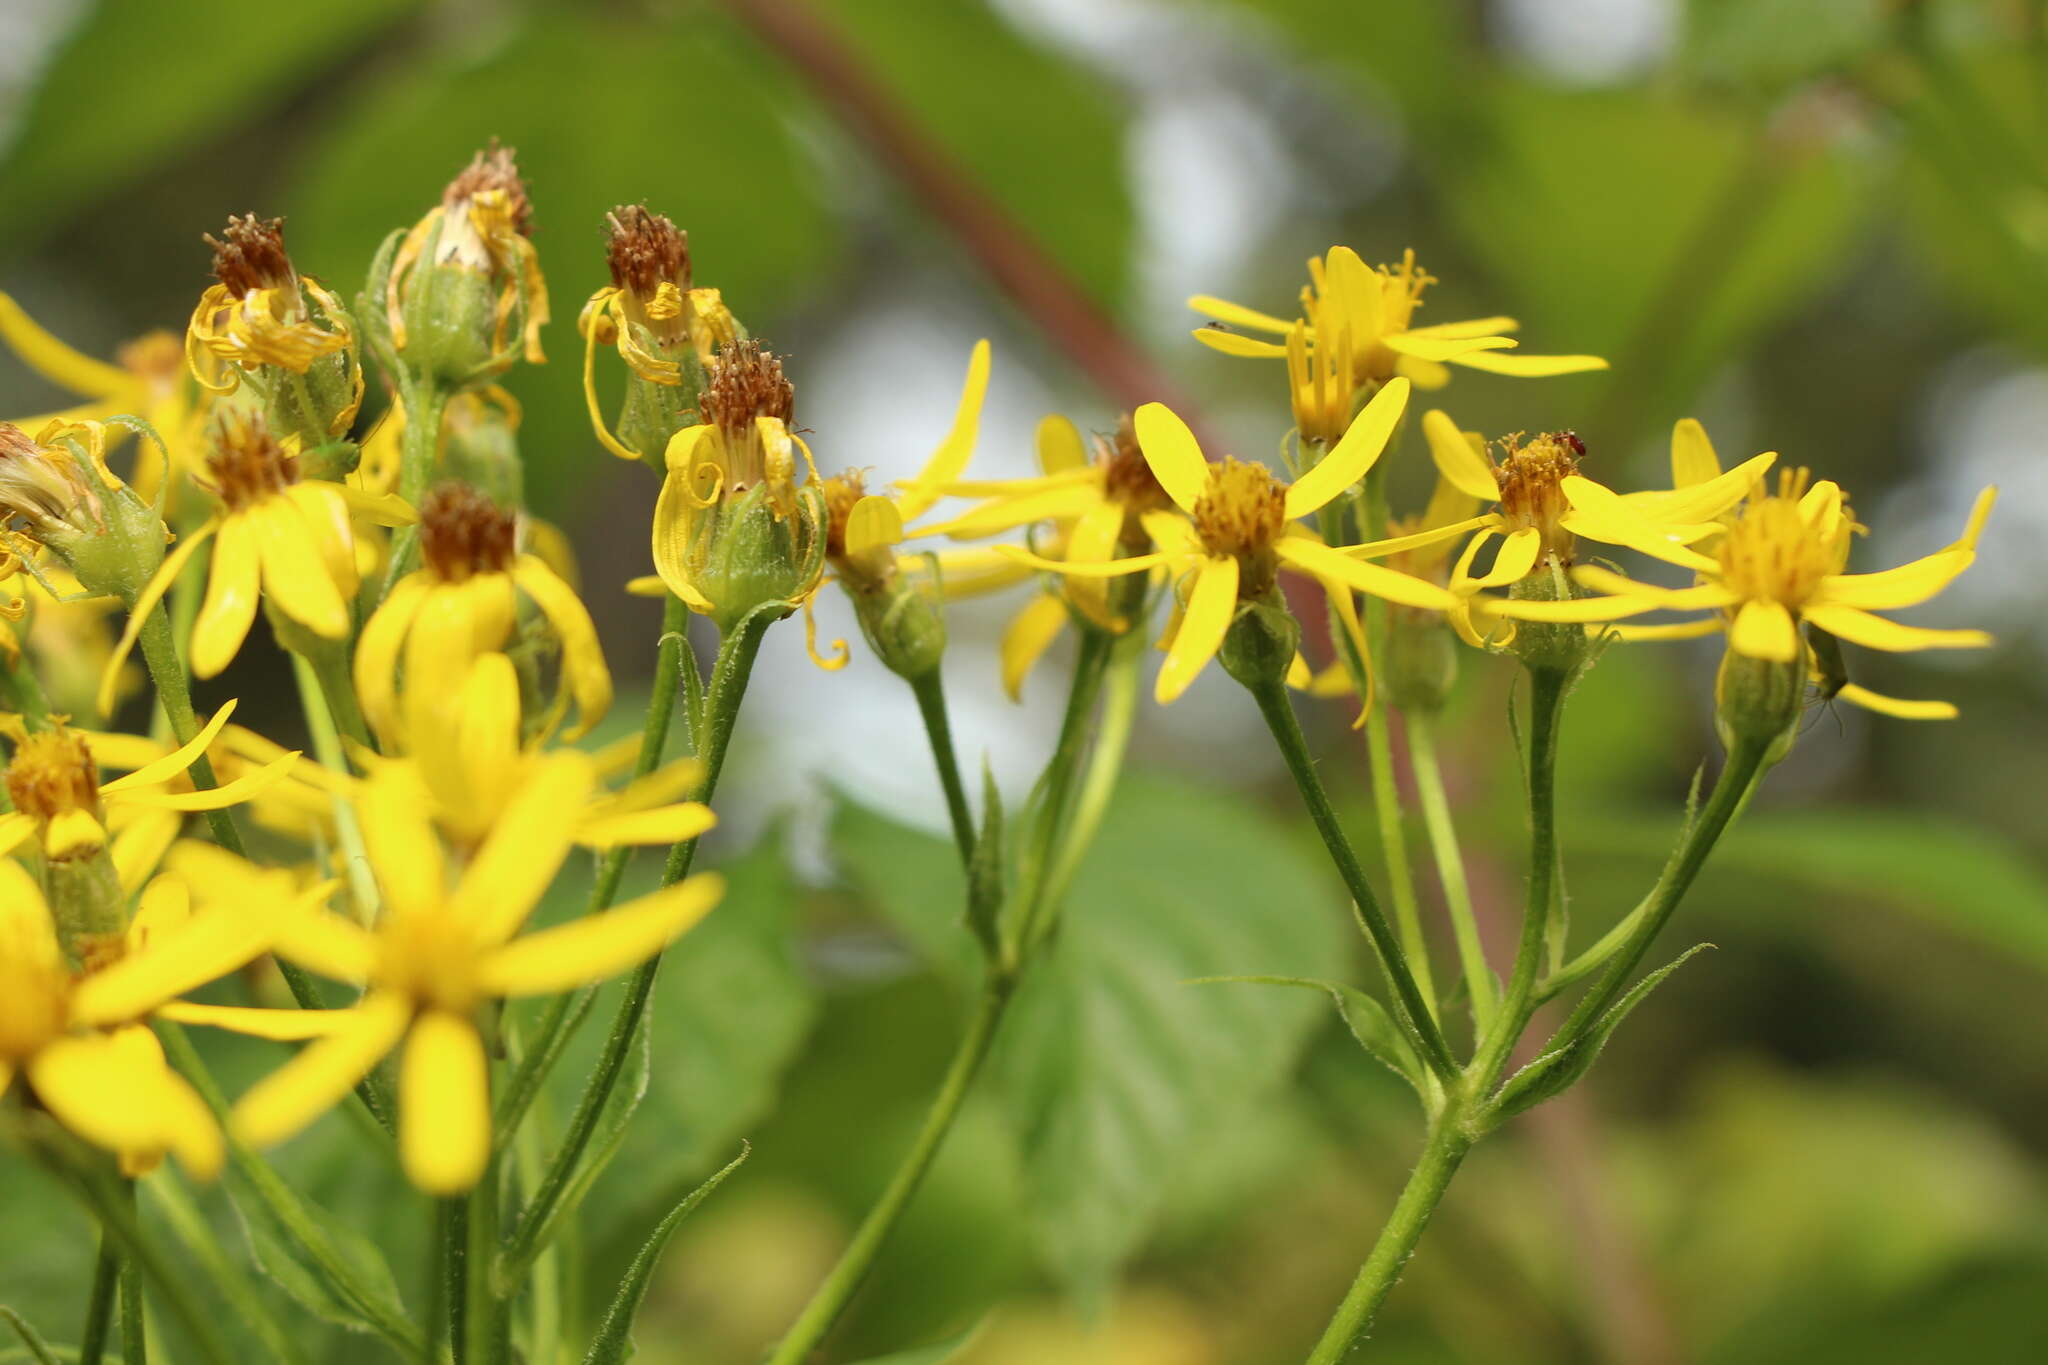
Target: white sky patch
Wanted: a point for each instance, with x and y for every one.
(1588, 42)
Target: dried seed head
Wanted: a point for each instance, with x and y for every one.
(493, 175)
(249, 254)
(247, 463)
(746, 382)
(463, 533)
(646, 251)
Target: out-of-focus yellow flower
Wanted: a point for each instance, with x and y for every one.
(1240, 528)
(292, 799)
(656, 322)
(447, 944)
(461, 603)
(1366, 313)
(468, 770)
(274, 536)
(1780, 566)
(75, 1038)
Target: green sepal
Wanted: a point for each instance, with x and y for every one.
(985, 886)
(1370, 1024)
(614, 1341)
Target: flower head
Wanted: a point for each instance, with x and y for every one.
(461, 603)
(448, 942)
(1364, 316)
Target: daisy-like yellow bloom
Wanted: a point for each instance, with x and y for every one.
(734, 527)
(1365, 314)
(468, 771)
(146, 379)
(448, 944)
(276, 539)
(652, 317)
(1240, 526)
(60, 802)
(70, 1032)
(264, 314)
(1780, 565)
(481, 229)
(462, 602)
(1096, 501)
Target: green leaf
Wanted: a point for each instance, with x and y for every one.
(602, 111)
(1034, 130)
(614, 1340)
(167, 1190)
(913, 880)
(1556, 1072)
(38, 1349)
(1115, 1073)
(934, 1354)
(180, 76)
(331, 1271)
(1764, 43)
(1366, 1017)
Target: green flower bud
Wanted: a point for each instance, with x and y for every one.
(763, 546)
(903, 619)
(1261, 643)
(68, 502)
(1560, 647)
(1758, 702)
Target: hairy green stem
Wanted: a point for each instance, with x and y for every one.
(1450, 866)
(99, 1305)
(859, 1257)
(134, 1330)
(1547, 693)
(1441, 1155)
(419, 448)
(1105, 763)
(1031, 922)
(1410, 1006)
(931, 705)
(112, 1199)
(316, 702)
(734, 666)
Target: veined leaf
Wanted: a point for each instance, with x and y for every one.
(614, 1341)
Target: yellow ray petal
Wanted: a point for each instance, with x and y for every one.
(583, 666)
(189, 1128)
(1460, 457)
(1060, 447)
(1908, 585)
(1765, 630)
(598, 946)
(161, 770)
(243, 788)
(655, 825)
(1696, 598)
(527, 847)
(1058, 503)
(1377, 580)
(1516, 558)
(1093, 540)
(1900, 707)
(1474, 327)
(1027, 637)
(1529, 366)
(294, 574)
(1211, 605)
(874, 523)
(59, 363)
(1692, 455)
(405, 852)
(96, 1087)
(1422, 540)
(1173, 454)
(444, 1105)
(1236, 314)
(1109, 569)
(377, 652)
(1874, 632)
(234, 582)
(1359, 449)
(328, 944)
(1233, 343)
(1445, 348)
(1708, 498)
(1680, 630)
(1357, 290)
(953, 452)
(205, 948)
(309, 1084)
(279, 1026)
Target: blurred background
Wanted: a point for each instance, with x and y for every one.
(1820, 227)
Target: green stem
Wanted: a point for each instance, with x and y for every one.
(116, 1211)
(419, 447)
(211, 1258)
(566, 1012)
(1450, 866)
(1105, 764)
(931, 705)
(1441, 1157)
(1547, 693)
(859, 1257)
(1409, 1003)
(1033, 879)
(728, 688)
(1738, 778)
(315, 701)
(99, 1307)
(447, 1289)
(328, 665)
(134, 1330)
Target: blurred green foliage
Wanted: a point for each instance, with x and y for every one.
(1823, 1142)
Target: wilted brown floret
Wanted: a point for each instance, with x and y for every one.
(247, 463)
(746, 382)
(493, 169)
(462, 532)
(249, 254)
(646, 250)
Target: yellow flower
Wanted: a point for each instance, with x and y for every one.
(1777, 567)
(1097, 508)
(650, 314)
(463, 602)
(448, 944)
(59, 800)
(1240, 528)
(274, 537)
(733, 528)
(1543, 505)
(468, 771)
(73, 1036)
(260, 315)
(1366, 313)
(481, 229)
(147, 380)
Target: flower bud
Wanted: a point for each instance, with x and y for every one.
(902, 615)
(480, 444)
(68, 502)
(283, 334)
(1261, 643)
(54, 780)
(1545, 646)
(462, 292)
(1758, 702)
